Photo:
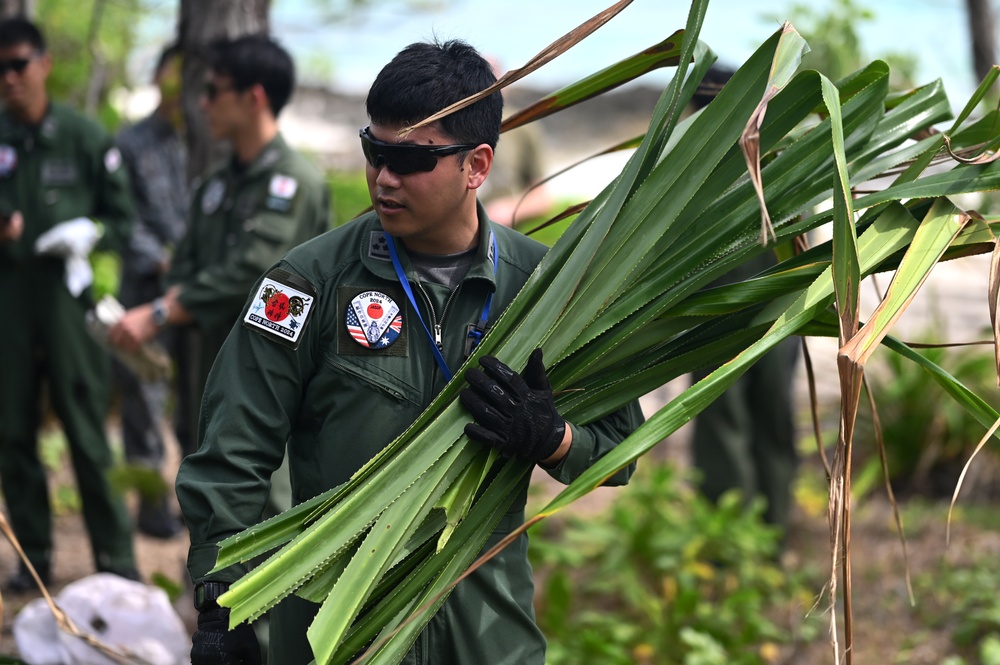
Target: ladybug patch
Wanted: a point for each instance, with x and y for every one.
(281, 307)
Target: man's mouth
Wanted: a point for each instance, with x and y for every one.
(390, 204)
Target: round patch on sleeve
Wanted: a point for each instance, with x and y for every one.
(112, 160)
(8, 160)
(373, 320)
(280, 309)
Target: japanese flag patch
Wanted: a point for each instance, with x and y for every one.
(280, 308)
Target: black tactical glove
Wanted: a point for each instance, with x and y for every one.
(214, 644)
(514, 413)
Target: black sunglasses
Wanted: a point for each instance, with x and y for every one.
(404, 158)
(17, 65)
(212, 90)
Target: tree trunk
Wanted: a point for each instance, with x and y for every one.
(200, 24)
(17, 8)
(982, 29)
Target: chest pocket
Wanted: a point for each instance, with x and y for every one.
(380, 380)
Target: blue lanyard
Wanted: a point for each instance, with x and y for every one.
(475, 332)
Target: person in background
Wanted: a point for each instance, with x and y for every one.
(246, 214)
(153, 151)
(354, 347)
(62, 190)
(745, 439)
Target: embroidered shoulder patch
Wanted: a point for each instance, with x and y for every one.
(281, 192)
(112, 160)
(280, 309)
(8, 160)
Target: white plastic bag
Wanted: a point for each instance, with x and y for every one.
(119, 612)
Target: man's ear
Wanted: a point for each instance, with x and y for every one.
(260, 101)
(46, 62)
(480, 162)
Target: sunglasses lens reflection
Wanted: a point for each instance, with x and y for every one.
(401, 160)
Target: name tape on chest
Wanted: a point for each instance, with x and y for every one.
(280, 309)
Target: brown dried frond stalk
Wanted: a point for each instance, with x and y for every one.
(814, 408)
(961, 478)
(994, 285)
(984, 157)
(549, 53)
(880, 443)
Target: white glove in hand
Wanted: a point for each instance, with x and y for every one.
(72, 240)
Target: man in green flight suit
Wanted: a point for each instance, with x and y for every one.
(60, 181)
(246, 214)
(330, 356)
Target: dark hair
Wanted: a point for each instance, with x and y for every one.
(19, 30)
(169, 52)
(255, 59)
(424, 78)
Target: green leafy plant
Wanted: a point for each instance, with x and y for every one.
(664, 576)
(927, 438)
(961, 597)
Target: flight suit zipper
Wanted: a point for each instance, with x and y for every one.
(437, 324)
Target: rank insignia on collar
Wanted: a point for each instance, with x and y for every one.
(374, 320)
(378, 248)
(211, 198)
(8, 160)
(281, 307)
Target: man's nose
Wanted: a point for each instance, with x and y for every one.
(386, 176)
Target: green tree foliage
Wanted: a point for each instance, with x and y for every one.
(88, 39)
(835, 44)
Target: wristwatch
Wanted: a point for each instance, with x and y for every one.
(207, 593)
(160, 312)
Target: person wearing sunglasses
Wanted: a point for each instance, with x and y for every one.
(262, 201)
(62, 182)
(345, 341)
